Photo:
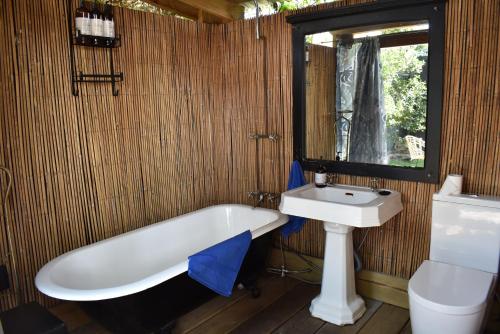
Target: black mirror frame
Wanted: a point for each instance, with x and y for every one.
(369, 14)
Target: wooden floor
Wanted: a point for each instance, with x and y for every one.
(281, 308)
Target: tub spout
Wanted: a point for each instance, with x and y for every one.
(259, 195)
(262, 196)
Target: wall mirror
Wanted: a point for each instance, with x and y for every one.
(367, 89)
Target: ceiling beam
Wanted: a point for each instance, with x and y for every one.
(223, 9)
(200, 15)
(175, 7)
(214, 11)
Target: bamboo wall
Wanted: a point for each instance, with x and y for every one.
(90, 167)
(176, 138)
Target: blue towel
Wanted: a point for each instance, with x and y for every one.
(295, 179)
(217, 267)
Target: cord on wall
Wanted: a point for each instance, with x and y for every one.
(15, 277)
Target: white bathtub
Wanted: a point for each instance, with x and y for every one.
(143, 258)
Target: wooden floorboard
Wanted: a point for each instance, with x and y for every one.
(72, 315)
(301, 323)
(406, 329)
(206, 311)
(280, 311)
(282, 308)
(388, 319)
(372, 307)
(90, 328)
(246, 308)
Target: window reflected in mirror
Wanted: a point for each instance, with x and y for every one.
(366, 94)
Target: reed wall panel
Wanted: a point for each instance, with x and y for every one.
(320, 103)
(94, 166)
(176, 138)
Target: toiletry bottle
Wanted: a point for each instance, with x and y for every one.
(96, 22)
(320, 177)
(82, 20)
(109, 24)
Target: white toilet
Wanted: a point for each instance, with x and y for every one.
(450, 292)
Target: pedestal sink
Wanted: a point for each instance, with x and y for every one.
(341, 208)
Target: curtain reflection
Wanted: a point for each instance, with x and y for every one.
(345, 83)
(360, 90)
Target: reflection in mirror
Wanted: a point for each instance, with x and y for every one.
(366, 94)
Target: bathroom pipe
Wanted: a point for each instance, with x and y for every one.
(271, 136)
(15, 277)
(358, 264)
(257, 28)
(282, 271)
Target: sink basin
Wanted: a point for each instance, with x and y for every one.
(342, 204)
(341, 208)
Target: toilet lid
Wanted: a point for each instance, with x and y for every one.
(450, 289)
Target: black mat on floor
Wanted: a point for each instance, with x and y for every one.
(31, 318)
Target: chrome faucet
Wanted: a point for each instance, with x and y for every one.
(375, 184)
(274, 197)
(261, 196)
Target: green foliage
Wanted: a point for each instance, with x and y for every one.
(136, 5)
(405, 91)
(407, 163)
(283, 5)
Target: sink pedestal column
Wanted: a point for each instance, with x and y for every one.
(338, 302)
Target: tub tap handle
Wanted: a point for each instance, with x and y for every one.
(262, 196)
(274, 197)
(259, 195)
(252, 194)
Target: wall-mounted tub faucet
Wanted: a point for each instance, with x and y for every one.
(259, 197)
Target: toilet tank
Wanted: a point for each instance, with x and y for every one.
(466, 231)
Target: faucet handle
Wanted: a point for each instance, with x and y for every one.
(273, 197)
(375, 183)
(331, 178)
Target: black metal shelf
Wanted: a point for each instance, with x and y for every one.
(95, 42)
(98, 78)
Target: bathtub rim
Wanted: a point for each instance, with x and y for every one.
(47, 286)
